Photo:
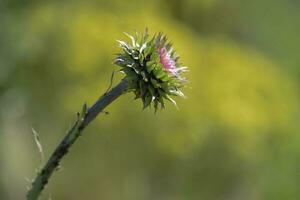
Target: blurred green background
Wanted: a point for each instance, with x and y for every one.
(235, 137)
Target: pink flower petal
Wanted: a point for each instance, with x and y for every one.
(166, 60)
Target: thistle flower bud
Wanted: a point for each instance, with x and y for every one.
(152, 69)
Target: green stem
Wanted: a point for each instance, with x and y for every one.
(62, 149)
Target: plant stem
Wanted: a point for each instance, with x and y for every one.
(84, 118)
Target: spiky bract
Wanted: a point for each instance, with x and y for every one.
(152, 69)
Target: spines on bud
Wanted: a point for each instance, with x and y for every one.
(152, 69)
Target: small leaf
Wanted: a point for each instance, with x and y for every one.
(161, 75)
(155, 57)
(176, 93)
(154, 83)
(144, 76)
(165, 78)
(135, 67)
(38, 143)
(150, 67)
(132, 39)
(150, 63)
(161, 101)
(147, 101)
(141, 59)
(152, 90)
(129, 71)
(135, 54)
(171, 100)
(83, 111)
(146, 35)
(158, 72)
(149, 49)
(169, 46)
(143, 47)
(143, 88)
(155, 106)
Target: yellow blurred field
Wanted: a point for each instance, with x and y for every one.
(236, 136)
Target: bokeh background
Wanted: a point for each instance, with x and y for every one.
(235, 137)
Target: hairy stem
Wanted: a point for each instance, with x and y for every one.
(84, 118)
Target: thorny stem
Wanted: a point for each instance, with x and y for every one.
(84, 118)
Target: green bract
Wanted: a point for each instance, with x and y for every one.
(151, 68)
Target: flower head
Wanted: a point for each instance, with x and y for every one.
(168, 63)
(152, 68)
